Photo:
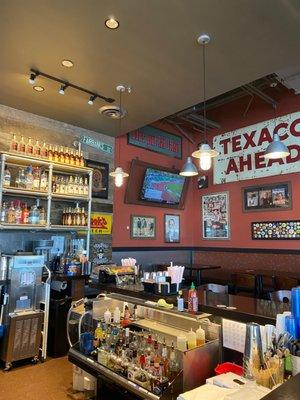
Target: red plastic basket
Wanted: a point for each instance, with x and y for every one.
(229, 367)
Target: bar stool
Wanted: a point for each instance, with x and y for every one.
(215, 288)
(284, 296)
(245, 284)
(284, 283)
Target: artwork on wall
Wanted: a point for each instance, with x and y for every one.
(275, 196)
(100, 179)
(142, 227)
(276, 230)
(203, 182)
(215, 216)
(172, 228)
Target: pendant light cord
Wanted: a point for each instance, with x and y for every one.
(120, 106)
(204, 91)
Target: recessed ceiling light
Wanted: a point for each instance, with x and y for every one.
(39, 88)
(67, 63)
(112, 23)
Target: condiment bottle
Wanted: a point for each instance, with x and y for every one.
(181, 343)
(192, 300)
(107, 316)
(200, 336)
(180, 301)
(191, 339)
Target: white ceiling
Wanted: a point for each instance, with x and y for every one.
(154, 50)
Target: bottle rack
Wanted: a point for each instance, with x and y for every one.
(18, 160)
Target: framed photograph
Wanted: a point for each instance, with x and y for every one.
(100, 179)
(277, 196)
(215, 216)
(203, 182)
(275, 230)
(142, 227)
(172, 228)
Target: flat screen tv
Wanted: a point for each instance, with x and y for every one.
(162, 187)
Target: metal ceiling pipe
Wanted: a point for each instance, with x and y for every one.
(254, 90)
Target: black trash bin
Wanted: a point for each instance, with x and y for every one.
(57, 329)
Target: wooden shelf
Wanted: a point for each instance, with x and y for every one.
(24, 192)
(70, 197)
(23, 226)
(68, 228)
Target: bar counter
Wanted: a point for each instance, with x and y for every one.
(237, 308)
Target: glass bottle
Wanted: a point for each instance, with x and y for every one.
(81, 159)
(55, 154)
(18, 213)
(61, 155)
(62, 185)
(42, 216)
(22, 179)
(76, 186)
(44, 151)
(83, 219)
(72, 158)
(35, 215)
(37, 149)
(71, 185)
(77, 158)
(77, 215)
(50, 153)
(29, 178)
(173, 363)
(14, 143)
(25, 214)
(11, 214)
(54, 184)
(67, 156)
(86, 187)
(80, 187)
(6, 177)
(21, 145)
(36, 178)
(43, 181)
(69, 217)
(63, 216)
(3, 213)
(29, 147)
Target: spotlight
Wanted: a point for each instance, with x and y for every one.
(67, 63)
(91, 100)
(38, 88)
(112, 23)
(32, 78)
(62, 89)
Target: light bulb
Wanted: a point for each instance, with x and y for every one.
(119, 180)
(205, 162)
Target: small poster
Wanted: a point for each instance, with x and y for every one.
(215, 216)
(276, 196)
(101, 223)
(172, 228)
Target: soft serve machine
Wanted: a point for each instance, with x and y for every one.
(25, 309)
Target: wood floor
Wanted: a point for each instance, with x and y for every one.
(48, 381)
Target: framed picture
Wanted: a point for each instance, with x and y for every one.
(100, 179)
(215, 216)
(203, 182)
(172, 228)
(142, 227)
(276, 230)
(276, 196)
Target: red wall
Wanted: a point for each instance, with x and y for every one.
(230, 117)
(122, 212)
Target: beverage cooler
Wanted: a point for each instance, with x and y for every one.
(143, 355)
(24, 309)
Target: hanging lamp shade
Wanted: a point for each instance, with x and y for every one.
(189, 168)
(276, 149)
(118, 174)
(205, 150)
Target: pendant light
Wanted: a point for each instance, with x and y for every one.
(205, 153)
(276, 148)
(189, 168)
(118, 174)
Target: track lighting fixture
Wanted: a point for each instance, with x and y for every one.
(91, 100)
(62, 89)
(32, 78)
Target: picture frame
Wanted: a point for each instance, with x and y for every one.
(142, 227)
(276, 196)
(215, 216)
(100, 183)
(276, 230)
(172, 228)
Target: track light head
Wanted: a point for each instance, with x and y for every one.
(62, 89)
(91, 100)
(32, 78)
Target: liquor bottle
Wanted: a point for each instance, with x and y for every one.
(13, 143)
(76, 185)
(86, 187)
(164, 357)
(80, 187)
(55, 154)
(37, 149)
(77, 158)
(58, 184)
(3, 213)
(18, 213)
(44, 151)
(54, 184)
(63, 216)
(25, 214)
(29, 147)
(6, 177)
(71, 185)
(29, 178)
(42, 216)
(62, 186)
(11, 214)
(81, 159)
(50, 153)
(22, 179)
(67, 156)
(69, 217)
(44, 181)
(173, 364)
(61, 155)
(72, 158)
(21, 145)
(36, 178)
(83, 217)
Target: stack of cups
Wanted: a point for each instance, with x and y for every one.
(296, 310)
